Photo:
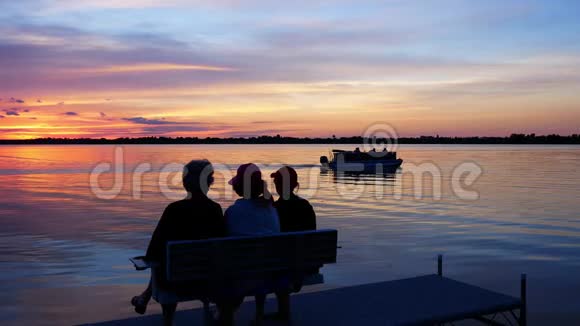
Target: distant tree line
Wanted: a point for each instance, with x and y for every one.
(513, 139)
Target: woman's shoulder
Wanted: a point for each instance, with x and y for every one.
(305, 202)
(253, 203)
(236, 205)
(293, 200)
(214, 204)
(298, 198)
(197, 203)
(240, 202)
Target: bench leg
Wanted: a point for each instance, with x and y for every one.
(260, 303)
(226, 314)
(168, 313)
(207, 315)
(523, 297)
(283, 299)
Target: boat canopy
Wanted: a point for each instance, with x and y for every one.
(352, 156)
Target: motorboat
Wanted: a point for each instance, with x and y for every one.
(359, 161)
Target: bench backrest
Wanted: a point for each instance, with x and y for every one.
(249, 257)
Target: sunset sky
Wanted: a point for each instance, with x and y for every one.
(115, 68)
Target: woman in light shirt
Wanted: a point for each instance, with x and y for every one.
(254, 212)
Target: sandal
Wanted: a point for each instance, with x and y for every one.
(140, 304)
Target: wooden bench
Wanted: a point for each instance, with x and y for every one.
(240, 259)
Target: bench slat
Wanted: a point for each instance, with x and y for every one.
(249, 257)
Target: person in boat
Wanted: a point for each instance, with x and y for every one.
(296, 214)
(355, 155)
(252, 214)
(194, 218)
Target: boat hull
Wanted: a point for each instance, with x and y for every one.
(366, 166)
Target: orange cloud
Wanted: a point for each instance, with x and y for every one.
(153, 67)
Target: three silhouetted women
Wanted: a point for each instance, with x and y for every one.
(254, 213)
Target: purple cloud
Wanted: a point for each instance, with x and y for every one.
(164, 129)
(102, 114)
(145, 121)
(162, 126)
(15, 100)
(71, 113)
(15, 111)
(32, 65)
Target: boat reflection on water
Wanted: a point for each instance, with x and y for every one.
(366, 177)
(364, 187)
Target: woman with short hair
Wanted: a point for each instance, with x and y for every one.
(194, 218)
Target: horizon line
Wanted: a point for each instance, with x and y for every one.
(278, 139)
(532, 135)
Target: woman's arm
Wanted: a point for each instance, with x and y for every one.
(311, 218)
(159, 238)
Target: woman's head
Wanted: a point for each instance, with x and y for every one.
(198, 176)
(248, 181)
(285, 180)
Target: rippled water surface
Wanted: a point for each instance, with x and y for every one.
(64, 250)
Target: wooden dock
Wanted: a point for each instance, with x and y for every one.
(423, 300)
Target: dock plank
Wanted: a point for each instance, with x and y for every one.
(413, 301)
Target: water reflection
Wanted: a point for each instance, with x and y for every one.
(58, 237)
(364, 177)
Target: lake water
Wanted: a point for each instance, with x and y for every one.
(64, 245)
